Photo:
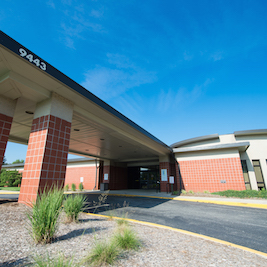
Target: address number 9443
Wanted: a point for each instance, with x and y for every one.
(36, 61)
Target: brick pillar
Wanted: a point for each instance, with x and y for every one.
(167, 168)
(7, 108)
(106, 171)
(48, 147)
(5, 125)
(164, 168)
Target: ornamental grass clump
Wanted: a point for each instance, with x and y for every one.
(102, 253)
(126, 238)
(44, 215)
(73, 206)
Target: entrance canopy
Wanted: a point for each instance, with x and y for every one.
(97, 129)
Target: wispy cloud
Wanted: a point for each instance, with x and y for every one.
(170, 99)
(77, 20)
(121, 76)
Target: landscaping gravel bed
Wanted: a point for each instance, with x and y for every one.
(160, 247)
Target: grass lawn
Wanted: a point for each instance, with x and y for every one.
(10, 188)
(243, 194)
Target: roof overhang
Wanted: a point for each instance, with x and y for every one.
(251, 132)
(240, 146)
(103, 131)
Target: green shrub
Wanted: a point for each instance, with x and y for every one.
(81, 186)
(191, 192)
(73, 206)
(73, 187)
(183, 191)
(10, 178)
(66, 187)
(206, 192)
(102, 253)
(125, 238)
(44, 215)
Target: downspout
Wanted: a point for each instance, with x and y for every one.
(95, 173)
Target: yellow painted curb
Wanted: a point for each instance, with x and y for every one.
(218, 202)
(9, 193)
(186, 232)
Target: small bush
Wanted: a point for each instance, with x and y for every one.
(191, 192)
(102, 253)
(183, 191)
(44, 215)
(66, 187)
(125, 238)
(81, 186)
(206, 192)
(73, 187)
(73, 206)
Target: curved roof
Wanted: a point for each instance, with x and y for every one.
(251, 132)
(195, 140)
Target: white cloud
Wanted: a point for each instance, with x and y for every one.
(107, 83)
(169, 100)
(121, 76)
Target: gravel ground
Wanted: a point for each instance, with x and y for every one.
(160, 247)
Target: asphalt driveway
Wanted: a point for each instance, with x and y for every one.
(242, 226)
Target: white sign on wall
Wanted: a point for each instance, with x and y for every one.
(171, 179)
(81, 179)
(164, 175)
(106, 176)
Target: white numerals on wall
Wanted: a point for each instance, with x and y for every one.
(36, 61)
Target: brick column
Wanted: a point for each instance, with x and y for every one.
(7, 108)
(48, 147)
(106, 171)
(167, 166)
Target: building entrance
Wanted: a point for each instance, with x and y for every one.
(145, 177)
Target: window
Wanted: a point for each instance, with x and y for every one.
(245, 174)
(258, 174)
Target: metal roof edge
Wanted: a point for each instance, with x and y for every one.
(251, 132)
(245, 145)
(195, 140)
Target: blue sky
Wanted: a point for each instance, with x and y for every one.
(179, 69)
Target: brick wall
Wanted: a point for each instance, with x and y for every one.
(5, 125)
(73, 175)
(200, 175)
